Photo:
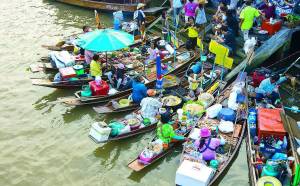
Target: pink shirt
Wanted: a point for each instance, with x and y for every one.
(190, 9)
(209, 154)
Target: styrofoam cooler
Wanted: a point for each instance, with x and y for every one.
(99, 134)
(193, 174)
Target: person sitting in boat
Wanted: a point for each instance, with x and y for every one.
(152, 51)
(139, 90)
(227, 39)
(117, 75)
(192, 34)
(150, 105)
(207, 145)
(140, 18)
(165, 131)
(96, 66)
(269, 88)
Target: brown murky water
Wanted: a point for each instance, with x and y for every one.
(43, 143)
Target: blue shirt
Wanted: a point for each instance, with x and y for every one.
(266, 87)
(177, 4)
(139, 91)
(196, 68)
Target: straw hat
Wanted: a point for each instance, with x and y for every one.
(140, 5)
(202, 2)
(205, 132)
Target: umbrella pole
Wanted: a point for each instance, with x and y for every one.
(106, 59)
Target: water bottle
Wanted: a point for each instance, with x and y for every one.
(116, 24)
(252, 123)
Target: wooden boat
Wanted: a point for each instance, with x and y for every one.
(46, 66)
(107, 5)
(233, 139)
(136, 165)
(180, 66)
(256, 150)
(112, 108)
(133, 132)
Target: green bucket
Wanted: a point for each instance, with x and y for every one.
(86, 91)
(79, 69)
(146, 121)
(214, 164)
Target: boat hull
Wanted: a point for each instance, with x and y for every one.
(102, 5)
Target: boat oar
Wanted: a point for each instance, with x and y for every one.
(294, 109)
(291, 65)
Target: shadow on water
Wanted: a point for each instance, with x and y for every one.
(138, 176)
(51, 98)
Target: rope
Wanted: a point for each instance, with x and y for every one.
(284, 59)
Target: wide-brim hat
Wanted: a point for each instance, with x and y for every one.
(202, 2)
(140, 5)
(205, 132)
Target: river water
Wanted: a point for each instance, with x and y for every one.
(46, 143)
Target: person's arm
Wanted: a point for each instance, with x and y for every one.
(262, 87)
(281, 80)
(242, 17)
(144, 90)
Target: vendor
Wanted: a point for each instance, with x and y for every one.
(269, 88)
(267, 9)
(96, 66)
(193, 83)
(139, 90)
(192, 34)
(117, 75)
(152, 51)
(150, 105)
(228, 39)
(165, 130)
(207, 145)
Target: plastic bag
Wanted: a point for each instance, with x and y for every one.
(232, 101)
(226, 126)
(213, 111)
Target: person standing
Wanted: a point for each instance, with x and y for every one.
(140, 18)
(201, 18)
(190, 10)
(192, 32)
(247, 17)
(177, 7)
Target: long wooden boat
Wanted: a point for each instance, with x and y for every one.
(107, 5)
(233, 139)
(258, 149)
(69, 84)
(136, 165)
(180, 66)
(112, 108)
(133, 132)
(46, 66)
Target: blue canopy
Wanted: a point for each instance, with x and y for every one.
(105, 40)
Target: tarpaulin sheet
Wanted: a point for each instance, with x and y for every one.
(270, 123)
